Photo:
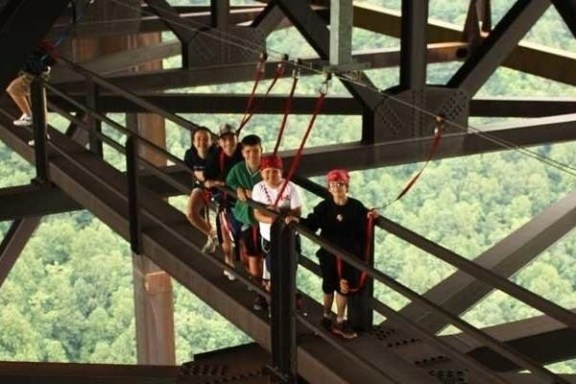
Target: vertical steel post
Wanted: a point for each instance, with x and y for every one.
(133, 196)
(38, 105)
(283, 305)
(94, 125)
(341, 20)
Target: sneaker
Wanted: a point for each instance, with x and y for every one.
(23, 121)
(31, 142)
(230, 276)
(326, 323)
(342, 329)
(300, 305)
(209, 247)
(259, 303)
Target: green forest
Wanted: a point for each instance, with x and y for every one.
(57, 306)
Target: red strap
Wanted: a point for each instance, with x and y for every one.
(287, 110)
(296, 161)
(435, 144)
(280, 69)
(367, 253)
(259, 73)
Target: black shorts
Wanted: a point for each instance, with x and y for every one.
(331, 276)
(250, 237)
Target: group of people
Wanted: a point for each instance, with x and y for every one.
(245, 232)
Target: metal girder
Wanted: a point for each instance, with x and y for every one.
(268, 19)
(171, 17)
(356, 156)
(526, 57)
(522, 107)
(150, 24)
(230, 73)
(567, 10)
(413, 44)
(30, 201)
(316, 32)
(459, 292)
(15, 21)
(498, 45)
(14, 242)
(540, 338)
(217, 103)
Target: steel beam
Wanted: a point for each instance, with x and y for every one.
(239, 72)
(315, 31)
(567, 10)
(526, 107)
(459, 292)
(541, 338)
(413, 44)
(498, 45)
(32, 201)
(357, 156)
(14, 242)
(530, 58)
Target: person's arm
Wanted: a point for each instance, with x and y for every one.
(234, 182)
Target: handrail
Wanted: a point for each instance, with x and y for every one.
(190, 126)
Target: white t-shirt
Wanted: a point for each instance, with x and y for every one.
(291, 199)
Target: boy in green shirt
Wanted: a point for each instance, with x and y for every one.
(242, 178)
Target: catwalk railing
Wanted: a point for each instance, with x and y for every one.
(285, 320)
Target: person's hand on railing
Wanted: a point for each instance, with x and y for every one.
(213, 183)
(243, 194)
(289, 219)
(372, 214)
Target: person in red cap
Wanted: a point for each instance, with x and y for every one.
(342, 220)
(266, 192)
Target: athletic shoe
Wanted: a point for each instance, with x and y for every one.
(342, 329)
(23, 121)
(326, 323)
(31, 142)
(230, 276)
(259, 303)
(210, 246)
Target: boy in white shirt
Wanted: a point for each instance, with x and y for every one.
(266, 192)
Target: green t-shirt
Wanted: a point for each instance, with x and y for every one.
(241, 177)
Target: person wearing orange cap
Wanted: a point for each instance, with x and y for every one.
(266, 192)
(342, 220)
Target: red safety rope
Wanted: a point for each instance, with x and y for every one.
(260, 67)
(367, 254)
(288, 104)
(252, 106)
(296, 161)
(439, 121)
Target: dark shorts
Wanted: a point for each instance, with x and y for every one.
(331, 277)
(225, 221)
(250, 237)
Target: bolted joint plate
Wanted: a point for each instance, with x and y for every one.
(407, 114)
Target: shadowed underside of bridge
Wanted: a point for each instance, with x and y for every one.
(391, 133)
